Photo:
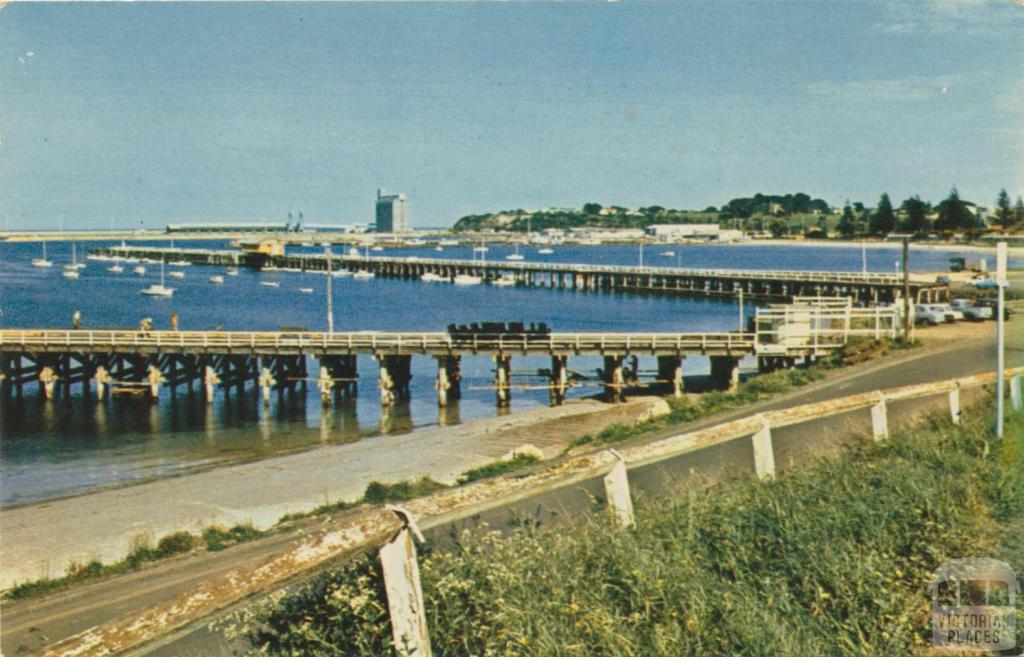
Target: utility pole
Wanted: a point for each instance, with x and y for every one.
(906, 289)
(1000, 336)
(330, 290)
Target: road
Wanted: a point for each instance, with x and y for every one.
(31, 624)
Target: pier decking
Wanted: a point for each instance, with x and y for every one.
(755, 284)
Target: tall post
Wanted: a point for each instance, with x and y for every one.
(906, 289)
(330, 290)
(1000, 337)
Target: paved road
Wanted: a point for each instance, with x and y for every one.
(29, 625)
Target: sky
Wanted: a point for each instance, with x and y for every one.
(134, 115)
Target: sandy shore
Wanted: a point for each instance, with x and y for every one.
(41, 540)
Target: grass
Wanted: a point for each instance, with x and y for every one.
(832, 559)
(141, 554)
(498, 468)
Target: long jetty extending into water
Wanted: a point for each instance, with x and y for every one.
(869, 288)
(145, 361)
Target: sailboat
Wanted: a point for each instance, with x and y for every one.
(516, 255)
(71, 269)
(115, 269)
(160, 290)
(42, 262)
(545, 251)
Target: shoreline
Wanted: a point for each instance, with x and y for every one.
(43, 539)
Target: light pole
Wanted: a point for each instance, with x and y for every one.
(1000, 336)
(330, 289)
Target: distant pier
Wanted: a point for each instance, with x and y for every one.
(871, 288)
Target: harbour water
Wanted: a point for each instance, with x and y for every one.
(72, 445)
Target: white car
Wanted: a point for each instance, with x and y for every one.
(932, 314)
(950, 310)
(972, 311)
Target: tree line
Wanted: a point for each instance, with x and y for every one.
(913, 216)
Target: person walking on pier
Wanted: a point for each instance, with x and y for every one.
(76, 319)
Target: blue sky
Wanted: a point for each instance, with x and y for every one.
(140, 114)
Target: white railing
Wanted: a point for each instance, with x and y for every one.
(369, 342)
(374, 526)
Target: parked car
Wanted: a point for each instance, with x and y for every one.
(950, 310)
(992, 303)
(972, 310)
(983, 282)
(932, 314)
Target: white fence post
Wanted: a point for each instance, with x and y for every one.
(1015, 398)
(954, 404)
(616, 488)
(764, 454)
(404, 593)
(880, 419)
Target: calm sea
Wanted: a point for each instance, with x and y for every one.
(71, 445)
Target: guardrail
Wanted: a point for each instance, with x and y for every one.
(371, 342)
(374, 527)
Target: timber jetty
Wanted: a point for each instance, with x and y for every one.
(871, 288)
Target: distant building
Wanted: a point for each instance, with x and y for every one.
(266, 246)
(669, 232)
(392, 213)
(232, 227)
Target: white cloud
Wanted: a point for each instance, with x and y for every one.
(946, 16)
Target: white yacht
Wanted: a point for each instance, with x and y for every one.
(467, 279)
(515, 256)
(431, 277)
(306, 290)
(42, 262)
(270, 284)
(545, 251)
(158, 290)
(363, 274)
(232, 271)
(140, 270)
(115, 269)
(218, 280)
(177, 274)
(504, 281)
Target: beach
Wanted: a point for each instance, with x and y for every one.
(42, 540)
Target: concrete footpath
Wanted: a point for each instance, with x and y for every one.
(41, 540)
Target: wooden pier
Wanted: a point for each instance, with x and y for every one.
(149, 361)
(753, 284)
